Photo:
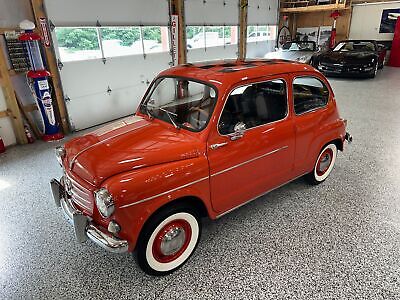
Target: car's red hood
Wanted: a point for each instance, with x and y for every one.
(128, 144)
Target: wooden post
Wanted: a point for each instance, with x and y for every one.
(178, 8)
(40, 13)
(11, 101)
(243, 5)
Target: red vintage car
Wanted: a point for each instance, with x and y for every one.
(206, 139)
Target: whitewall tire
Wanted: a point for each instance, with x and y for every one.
(168, 240)
(323, 165)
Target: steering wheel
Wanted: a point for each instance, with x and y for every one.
(201, 111)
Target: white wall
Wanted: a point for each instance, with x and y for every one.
(11, 13)
(366, 20)
(14, 11)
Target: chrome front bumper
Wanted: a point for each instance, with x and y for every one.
(83, 226)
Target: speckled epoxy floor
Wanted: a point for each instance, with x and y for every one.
(338, 240)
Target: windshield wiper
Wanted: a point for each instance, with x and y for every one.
(169, 114)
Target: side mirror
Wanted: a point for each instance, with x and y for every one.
(238, 131)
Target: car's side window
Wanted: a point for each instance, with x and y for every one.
(254, 104)
(309, 93)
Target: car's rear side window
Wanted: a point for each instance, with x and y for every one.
(254, 105)
(309, 93)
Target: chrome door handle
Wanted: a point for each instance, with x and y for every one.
(216, 146)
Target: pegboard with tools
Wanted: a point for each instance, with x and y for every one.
(16, 52)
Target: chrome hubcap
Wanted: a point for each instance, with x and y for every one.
(173, 241)
(325, 162)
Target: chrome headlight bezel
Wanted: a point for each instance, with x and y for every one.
(60, 154)
(104, 202)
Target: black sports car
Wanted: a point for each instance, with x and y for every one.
(351, 58)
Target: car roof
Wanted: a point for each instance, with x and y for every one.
(228, 72)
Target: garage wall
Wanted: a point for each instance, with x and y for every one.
(366, 19)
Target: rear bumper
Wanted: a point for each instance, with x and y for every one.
(83, 226)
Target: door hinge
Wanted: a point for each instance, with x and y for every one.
(60, 65)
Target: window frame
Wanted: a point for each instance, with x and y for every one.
(314, 109)
(251, 83)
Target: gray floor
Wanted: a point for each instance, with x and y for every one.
(338, 240)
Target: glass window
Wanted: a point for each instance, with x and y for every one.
(78, 43)
(118, 41)
(256, 33)
(231, 35)
(181, 102)
(355, 46)
(214, 36)
(195, 37)
(254, 105)
(309, 93)
(155, 39)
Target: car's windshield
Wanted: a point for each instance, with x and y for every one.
(354, 46)
(180, 101)
(299, 46)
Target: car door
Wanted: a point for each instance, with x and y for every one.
(251, 148)
(311, 112)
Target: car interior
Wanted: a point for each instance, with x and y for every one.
(258, 104)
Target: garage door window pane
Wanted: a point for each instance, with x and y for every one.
(309, 93)
(254, 105)
(214, 36)
(231, 35)
(195, 37)
(118, 41)
(155, 39)
(78, 43)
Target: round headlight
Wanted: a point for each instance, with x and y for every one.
(60, 154)
(104, 202)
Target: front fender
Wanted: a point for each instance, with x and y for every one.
(138, 194)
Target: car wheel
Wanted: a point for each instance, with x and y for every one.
(324, 165)
(168, 240)
(375, 71)
(383, 63)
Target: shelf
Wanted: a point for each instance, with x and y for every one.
(303, 6)
(314, 8)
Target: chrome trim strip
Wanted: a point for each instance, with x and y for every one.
(248, 161)
(252, 199)
(71, 163)
(164, 193)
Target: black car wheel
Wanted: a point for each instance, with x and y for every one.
(382, 64)
(374, 71)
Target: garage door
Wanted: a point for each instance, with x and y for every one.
(107, 61)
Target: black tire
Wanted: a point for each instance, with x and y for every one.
(322, 168)
(170, 220)
(374, 72)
